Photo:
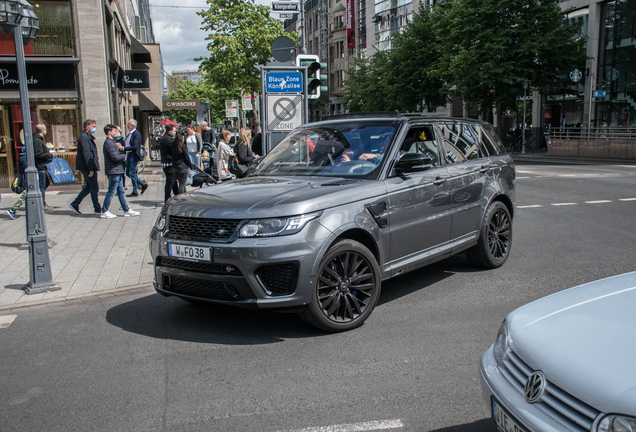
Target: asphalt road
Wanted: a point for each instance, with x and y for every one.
(147, 363)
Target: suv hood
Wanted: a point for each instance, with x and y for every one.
(582, 339)
(265, 197)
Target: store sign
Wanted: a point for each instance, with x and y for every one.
(351, 31)
(40, 76)
(568, 76)
(136, 80)
(181, 104)
(231, 108)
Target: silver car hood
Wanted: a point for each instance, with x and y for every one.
(265, 197)
(584, 340)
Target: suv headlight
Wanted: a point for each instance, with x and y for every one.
(617, 423)
(501, 343)
(277, 226)
(160, 223)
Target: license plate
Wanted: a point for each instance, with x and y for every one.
(189, 252)
(505, 421)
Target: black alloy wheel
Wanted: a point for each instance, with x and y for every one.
(495, 238)
(346, 289)
(499, 231)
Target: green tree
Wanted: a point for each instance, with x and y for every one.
(205, 92)
(240, 37)
(488, 48)
(399, 80)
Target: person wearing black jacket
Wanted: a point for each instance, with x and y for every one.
(244, 154)
(165, 149)
(87, 163)
(42, 157)
(181, 162)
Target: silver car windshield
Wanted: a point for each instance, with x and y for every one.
(340, 150)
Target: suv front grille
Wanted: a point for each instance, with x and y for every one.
(278, 279)
(198, 266)
(560, 405)
(200, 229)
(200, 288)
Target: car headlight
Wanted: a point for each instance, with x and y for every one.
(276, 226)
(501, 343)
(617, 423)
(160, 223)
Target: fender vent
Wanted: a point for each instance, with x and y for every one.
(378, 210)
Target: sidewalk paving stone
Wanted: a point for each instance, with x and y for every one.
(91, 256)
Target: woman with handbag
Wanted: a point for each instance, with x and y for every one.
(244, 156)
(181, 163)
(223, 153)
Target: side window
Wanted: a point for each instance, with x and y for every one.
(487, 143)
(490, 132)
(460, 143)
(421, 139)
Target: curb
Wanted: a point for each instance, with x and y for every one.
(80, 298)
(572, 160)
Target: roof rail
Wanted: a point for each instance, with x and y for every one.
(371, 114)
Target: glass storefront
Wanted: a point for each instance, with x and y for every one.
(617, 65)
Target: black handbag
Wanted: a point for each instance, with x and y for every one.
(238, 169)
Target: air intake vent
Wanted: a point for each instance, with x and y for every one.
(378, 210)
(278, 279)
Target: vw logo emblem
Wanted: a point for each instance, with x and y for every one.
(534, 387)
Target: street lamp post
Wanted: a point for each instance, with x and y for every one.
(19, 18)
(526, 84)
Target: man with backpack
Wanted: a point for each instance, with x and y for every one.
(22, 165)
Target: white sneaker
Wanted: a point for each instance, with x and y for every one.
(107, 215)
(131, 212)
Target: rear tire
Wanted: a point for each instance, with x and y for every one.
(346, 288)
(495, 238)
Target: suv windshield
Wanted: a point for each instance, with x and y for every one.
(334, 149)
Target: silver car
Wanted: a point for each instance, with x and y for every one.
(336, 208)
(566, 362)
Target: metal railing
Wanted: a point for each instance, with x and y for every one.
(594, 133)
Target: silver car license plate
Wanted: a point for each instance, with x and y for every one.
(505, 421)
(189, 252)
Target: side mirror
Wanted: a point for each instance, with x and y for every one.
(413, 162)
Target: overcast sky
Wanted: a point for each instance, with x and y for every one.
(178, 30)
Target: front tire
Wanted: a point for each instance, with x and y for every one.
(495, 238)
(346, 288)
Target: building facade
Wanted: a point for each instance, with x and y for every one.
(78, 67)
(181, 76)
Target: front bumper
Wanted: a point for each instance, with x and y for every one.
(237, 274)
(531, 416)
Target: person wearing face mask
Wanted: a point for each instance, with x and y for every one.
(165, 148)
(87, 162)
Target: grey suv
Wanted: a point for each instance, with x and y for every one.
(336, 208)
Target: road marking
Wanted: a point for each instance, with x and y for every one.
(564, 204)
(568, 175)
(355, 427)
(521, 177)
(6, 320)
(598, 202)
(627, 199)
(530, 206)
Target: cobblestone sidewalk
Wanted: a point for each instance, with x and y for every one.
(90, 255)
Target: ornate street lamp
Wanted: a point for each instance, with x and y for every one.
(18, 17)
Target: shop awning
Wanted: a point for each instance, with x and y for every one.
(148, 106)
(139, 52)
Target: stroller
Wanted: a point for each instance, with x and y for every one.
(205, 177)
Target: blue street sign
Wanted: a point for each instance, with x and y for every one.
(284, 82)
(600, 93)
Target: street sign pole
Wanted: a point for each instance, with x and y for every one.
(305, 71)
(303, 47)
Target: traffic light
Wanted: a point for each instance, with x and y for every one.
(314, 75)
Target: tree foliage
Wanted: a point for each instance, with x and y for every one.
(204, 91)
(479, 50)
(489, 48)
(240, 37)
(399, 79)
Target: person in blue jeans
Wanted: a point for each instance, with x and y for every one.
(133, 148)
(87, 163)
(114, 170)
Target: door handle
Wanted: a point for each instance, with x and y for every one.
(439, 181)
